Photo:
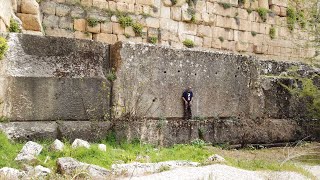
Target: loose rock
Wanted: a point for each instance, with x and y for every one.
(29, 152)
(10, 173)
(216, 158)
(57, 145)
(80, 143)
(69, 166)
(102, 147)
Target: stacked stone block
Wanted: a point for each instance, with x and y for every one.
(229, 25)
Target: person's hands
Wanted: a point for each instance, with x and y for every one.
(190, 104)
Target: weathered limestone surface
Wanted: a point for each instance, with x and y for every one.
(46, 78)
(62, 89)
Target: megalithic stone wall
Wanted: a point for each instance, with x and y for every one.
(211, 24)
(45, 79)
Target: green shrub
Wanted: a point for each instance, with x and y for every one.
(137, 28)
(3, 47)
(153, 39)
(249, 10)
(221, 38)
(225, 5)
(198, 143)
(291, 18)
(174, 2)
(164, 168)
(125, 21)
(126, 35)
(263, 12)
(253, 33)
(272, 33)
(241, 2)
(188, 43)
(111, 76)
(92, 22)
(14, 26)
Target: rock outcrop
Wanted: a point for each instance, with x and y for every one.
(29, 152)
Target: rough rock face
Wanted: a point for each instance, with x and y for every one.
(29, 152)
(57, 145)
(216, 159)
(80, 143)
(69, 166)
(136, 168)
(11, 173)
(39, 171)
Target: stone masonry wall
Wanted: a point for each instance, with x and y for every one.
(206, 22)
(212, 24)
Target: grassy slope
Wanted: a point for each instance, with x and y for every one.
(267, 159)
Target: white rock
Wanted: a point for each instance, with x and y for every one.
(80, 143)
(102, 147)
(57, 145)
(10, 173)
(216, 158)
(69, 166)
(29, 7)
(29, 151)
(41, 171)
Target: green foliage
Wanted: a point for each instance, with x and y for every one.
(291, 18)
(249, 10)
(188, 43)
(253, 33)
(221, 38)
(111, 76)
(93, 22)
(14, 26)
(198, 143)
(174, 2)
(241, 2)
(304, 88)
(137, 28)
(225, 5)
(164, 168)
(192, 12)
(153, 39)
(272, 33)
(3, 47)
(4, 119)
(8, 151)
(263, 12)
(125, 21)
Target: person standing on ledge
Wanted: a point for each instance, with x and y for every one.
(187, 99)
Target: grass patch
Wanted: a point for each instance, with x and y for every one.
(3, 47)
(153, 39)
(137, 28)
(125, 21)
(272, 33)
(14, 26)
(128, 152)
(225, 5)
(263, 12)
(188, 43)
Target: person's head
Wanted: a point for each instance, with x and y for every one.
(189, 88)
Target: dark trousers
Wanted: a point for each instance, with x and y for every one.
(187, 110)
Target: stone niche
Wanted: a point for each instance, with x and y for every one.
(46, 78)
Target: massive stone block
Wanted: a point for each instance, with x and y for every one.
(47, 78)
(151, 80)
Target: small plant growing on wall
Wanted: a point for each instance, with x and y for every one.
(225, 5)
(221, 38)
(291, 18)
(153, 39)
(3, 47)
(14, 26)
(92, 22)
(111, 76)
(125, 21)
(241, 2)
(253, 33)
(173, 2)
(272, 33)
(137, 28)
(263, 12)
(188, 43)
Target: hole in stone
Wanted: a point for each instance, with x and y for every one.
(165, 71)
(195, 74)
(154, 99)
(238, 68)
(216, 72)
(178, 70)
(235, 75)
